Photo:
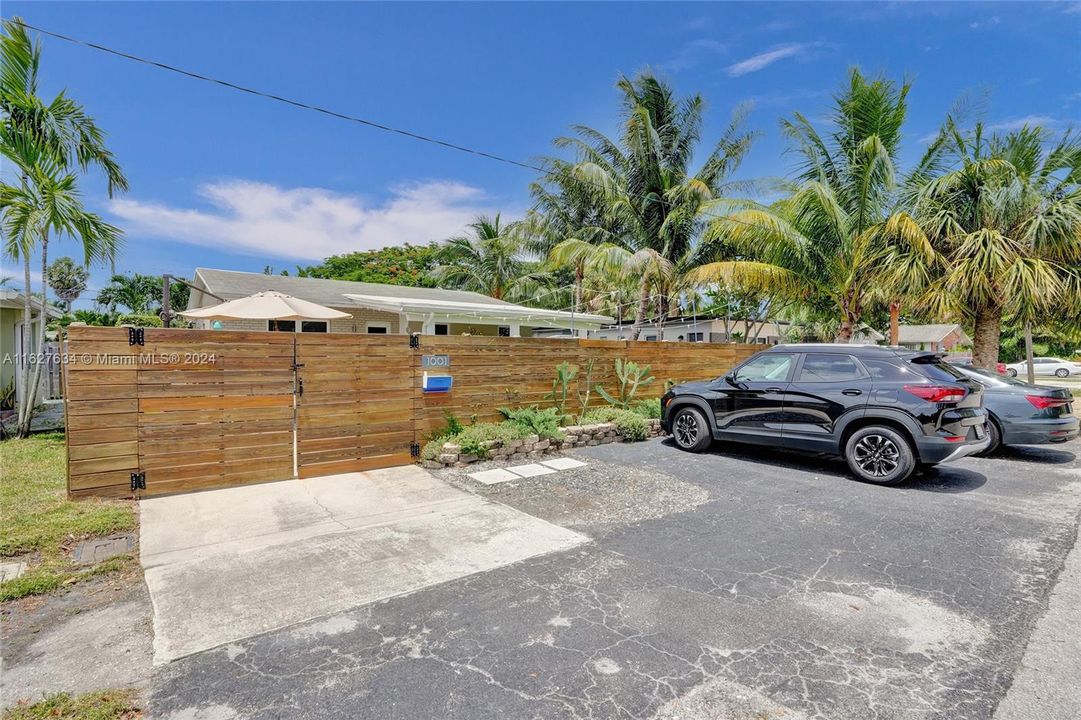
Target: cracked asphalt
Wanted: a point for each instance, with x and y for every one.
(744, 583)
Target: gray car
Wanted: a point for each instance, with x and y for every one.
(1023, 414)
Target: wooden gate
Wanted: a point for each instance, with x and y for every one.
(177, 410)
(355, 404)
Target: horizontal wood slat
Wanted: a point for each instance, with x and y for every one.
(197, 409)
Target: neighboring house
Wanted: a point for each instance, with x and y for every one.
(703, 328)
(936, 338)
(11, 341)
(384, 309)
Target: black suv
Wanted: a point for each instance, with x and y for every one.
(886, 410)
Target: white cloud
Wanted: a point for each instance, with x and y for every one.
(260, 219)
(692, 53)
(1045, 121)
(762, 60)
(977, 24)
(1072, 8)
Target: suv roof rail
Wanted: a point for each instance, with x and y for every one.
(835, 346)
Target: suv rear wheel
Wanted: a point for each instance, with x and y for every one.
(880, 455)
(690, 430)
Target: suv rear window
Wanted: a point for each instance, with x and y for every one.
(829, 368)
(936, 369)
(890, 371)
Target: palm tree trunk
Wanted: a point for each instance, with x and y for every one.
(985, 337)
(850, 316)
(895, 322)
(643, 308)
(43, 320)
(24, 371)
(579, 275)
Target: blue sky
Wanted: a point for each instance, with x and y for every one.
(227, 180)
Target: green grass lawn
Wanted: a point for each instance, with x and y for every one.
(101, 705)
(41, 526)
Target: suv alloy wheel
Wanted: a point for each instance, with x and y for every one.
(690, 430)
(880, 455)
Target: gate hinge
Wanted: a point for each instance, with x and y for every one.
(138, 481)
(414, 449)
(135, 336)
(414, 340)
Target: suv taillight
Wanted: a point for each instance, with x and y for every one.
(937, 393)
(1042, 403)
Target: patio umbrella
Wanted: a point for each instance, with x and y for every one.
(271, 305)
(268, 305)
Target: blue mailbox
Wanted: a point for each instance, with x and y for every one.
(437, 383)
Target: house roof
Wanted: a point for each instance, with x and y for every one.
(929, 333)
(231, 284)
(13, 299)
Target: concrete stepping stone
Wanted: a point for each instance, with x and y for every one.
(491, 477)
(564, 463)
(531, 470)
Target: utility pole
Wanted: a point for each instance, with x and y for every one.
(1028, 353)
(166, 306)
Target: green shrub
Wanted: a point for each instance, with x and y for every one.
(472, 440)
(649, 409)
(545, 423)
(629, 424)
(139, 320)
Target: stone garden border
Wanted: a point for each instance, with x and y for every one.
(533, 448)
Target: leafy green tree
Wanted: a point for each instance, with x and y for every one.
(1006, 228)
(832, 236)
(488, 259)
(407, 264)
(67, 280)
(46, 144)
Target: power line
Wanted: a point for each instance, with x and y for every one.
(278, 98)
(334, 113)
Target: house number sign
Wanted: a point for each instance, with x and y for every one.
(435, 361)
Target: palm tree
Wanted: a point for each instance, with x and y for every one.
(136, 292)
(831, 236)
(1006, 224)
(488, 259)
(45, 142)
(67, 280)
(651, 196)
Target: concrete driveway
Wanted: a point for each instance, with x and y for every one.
(745, 584)
(227, 564)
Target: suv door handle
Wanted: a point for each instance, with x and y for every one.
(852, 392)
(772, 390)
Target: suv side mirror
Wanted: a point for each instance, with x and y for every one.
(730, 378)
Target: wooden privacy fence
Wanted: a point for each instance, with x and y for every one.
(160, 411)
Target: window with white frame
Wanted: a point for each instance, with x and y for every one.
(378, 328)
(695, 337)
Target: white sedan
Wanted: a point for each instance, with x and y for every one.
(1045, 366)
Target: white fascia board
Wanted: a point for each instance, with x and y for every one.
(483, 313)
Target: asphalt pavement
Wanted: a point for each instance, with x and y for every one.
(743, 583)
